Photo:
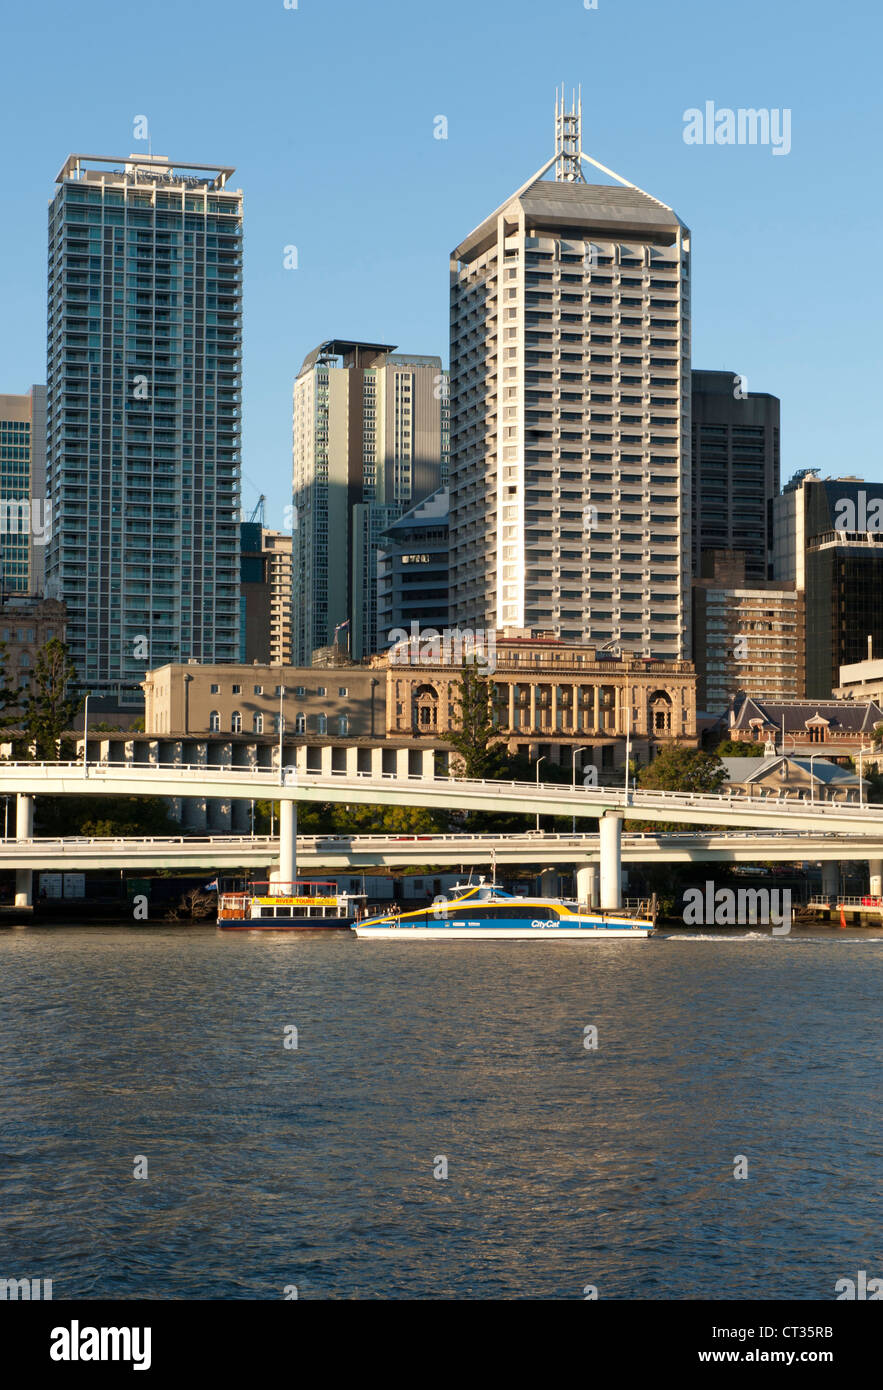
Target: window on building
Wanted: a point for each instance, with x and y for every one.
(236, 722)
(322, 723)
(237, 689)
(258, 690)
(258, 724)
(214, 690)
(343, 725)
(342, 691)
(214, 722)
(300, 723)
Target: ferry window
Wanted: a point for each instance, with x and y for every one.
(214, 722)
(236, 722)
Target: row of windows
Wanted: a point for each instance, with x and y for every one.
(300, 690)
(300, 723)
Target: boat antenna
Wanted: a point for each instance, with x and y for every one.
(493, 867)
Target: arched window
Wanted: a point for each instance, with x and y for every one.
(236, 722)
(214, 722)
(343, 725)
(322, 723)
(257, 724)
(300, 723)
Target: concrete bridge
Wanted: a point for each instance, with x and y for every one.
(289, 785)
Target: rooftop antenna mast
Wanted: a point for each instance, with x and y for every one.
(568, 137)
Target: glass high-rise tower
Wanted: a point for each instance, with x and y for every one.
(143, 413)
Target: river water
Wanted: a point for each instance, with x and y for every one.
(273, 1167)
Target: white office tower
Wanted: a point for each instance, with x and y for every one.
(570, 412)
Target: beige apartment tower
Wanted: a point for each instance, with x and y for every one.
(570, 429)
(370, 440)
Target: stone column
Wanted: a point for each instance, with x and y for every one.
(875, 870)
(575, 710)
(533, 706)
(427, 760)
(597, 708)
(24, 830)
(512, 689)
(325, 756)
(554, 707)
(352, 762)
(611, 862)
(402, 762)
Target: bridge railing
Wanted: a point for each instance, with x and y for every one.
(609, 798)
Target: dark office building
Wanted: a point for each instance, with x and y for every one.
(254, 595)
(412, 570)
(735, 470)
(829, 540)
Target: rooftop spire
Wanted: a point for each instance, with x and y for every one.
(568, 137)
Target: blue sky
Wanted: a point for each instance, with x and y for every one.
(327, 111)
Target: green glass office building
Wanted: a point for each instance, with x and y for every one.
(143, 414)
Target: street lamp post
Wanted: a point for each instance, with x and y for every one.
(573, 775)
(86, 738)
(861, 783)
(812, 780)
(281, 728)
(628, 747)
(539, 760)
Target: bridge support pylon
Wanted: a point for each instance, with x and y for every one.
(830, 878)
(287, 843)
(611, 861)
(587, 885)
(548, 883)
(875, 872)
(24, 830)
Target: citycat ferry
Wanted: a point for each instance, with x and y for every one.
(485, 913)
(302, 906)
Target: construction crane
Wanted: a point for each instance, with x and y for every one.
(259, 507)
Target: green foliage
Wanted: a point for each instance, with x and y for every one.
(474, 738)
(676, 769)
(49, 708)
(109, 815)
(732, 748)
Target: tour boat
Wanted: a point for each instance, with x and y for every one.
(485, 913)
(302, 906)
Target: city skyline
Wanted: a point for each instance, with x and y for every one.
(747, 209)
